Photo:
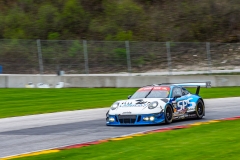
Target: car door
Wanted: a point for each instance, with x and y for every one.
(180, 101)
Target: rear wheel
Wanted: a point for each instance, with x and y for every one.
(168, 114)
(200, 109)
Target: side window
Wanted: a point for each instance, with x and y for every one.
(177, 91)
(185, 92)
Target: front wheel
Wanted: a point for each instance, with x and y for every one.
(168, 114)
(200, 109)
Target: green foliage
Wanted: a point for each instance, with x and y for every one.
(145, 20)
(120, 53)
(53, 36)
(74, 17)
(120, 21)
(140, 61)
(75, 48)
(122, 36)
(26, 61)
(152, 56)
(48, 21)
(13, 24)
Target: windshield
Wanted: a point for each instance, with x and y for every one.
(151, 92)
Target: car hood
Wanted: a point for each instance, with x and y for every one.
(139, 106)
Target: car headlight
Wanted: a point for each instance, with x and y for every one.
(153, 105)
(114, 106)
(151, 118)
(111, 119)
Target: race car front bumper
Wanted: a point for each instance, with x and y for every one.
(141, 119)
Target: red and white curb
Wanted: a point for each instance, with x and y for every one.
(54, 150)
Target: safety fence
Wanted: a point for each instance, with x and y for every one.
(94, 57)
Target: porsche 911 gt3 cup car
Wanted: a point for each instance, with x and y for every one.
(158, 103)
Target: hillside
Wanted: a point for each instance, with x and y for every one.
(117, 20)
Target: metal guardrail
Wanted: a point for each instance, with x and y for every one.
(104, 57)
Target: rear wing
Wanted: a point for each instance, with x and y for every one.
(195, 84)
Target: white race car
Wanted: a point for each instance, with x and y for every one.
(161, 103)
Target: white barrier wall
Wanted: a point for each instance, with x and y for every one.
(19, 81)
(3, 82)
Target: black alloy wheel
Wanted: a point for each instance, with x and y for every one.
(200, 109)
(168, 115)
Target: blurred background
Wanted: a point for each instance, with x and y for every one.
(119, 36)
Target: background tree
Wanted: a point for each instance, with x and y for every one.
(137, 20)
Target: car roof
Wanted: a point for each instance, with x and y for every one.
(163, 84)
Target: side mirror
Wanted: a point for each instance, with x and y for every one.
(177, 96)
(129, 96)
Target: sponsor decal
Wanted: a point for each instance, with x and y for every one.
(191, 115)
(162, 88)
(145, 89)
(140, 101)
(176, 117)
(130, 104)
(181, 105)
(154, 88)
(190, 109)
(182, 117)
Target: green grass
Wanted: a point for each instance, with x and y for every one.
(220, 92)
(18, 102)
(214, 141)
(26, 101)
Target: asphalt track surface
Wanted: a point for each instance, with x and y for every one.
(26, 134)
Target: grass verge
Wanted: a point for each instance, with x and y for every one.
(19, 102)
(211, 141)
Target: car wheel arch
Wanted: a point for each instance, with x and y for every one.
(202, 100)
(170, 106)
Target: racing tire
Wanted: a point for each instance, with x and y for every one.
(168, 114)
(200, 109)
